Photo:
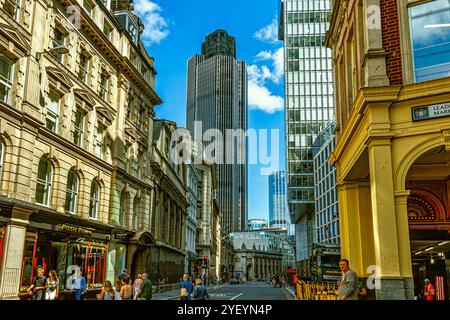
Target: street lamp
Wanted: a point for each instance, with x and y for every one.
(62, 49)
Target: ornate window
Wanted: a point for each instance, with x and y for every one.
(12, 8)
(103, 86)
(136, 205)
(99, 147)
(108, 30)
(2, 158)
(72, 192)
(78, 133)
(6, 78)
(44, 182)
(83, 70)
(59, 39)
(88, 7)
(94, 200)
(122, 207)
(53, 106)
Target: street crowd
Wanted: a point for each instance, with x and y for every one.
(48, 288)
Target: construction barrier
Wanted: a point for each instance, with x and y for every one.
(316, 291)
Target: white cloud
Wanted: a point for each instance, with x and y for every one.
(156, 27)
(269, 33)
(259, 96)
(277, 60)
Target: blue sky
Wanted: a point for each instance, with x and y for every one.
(175, 30)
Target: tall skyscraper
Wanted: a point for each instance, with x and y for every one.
(217, 97)
(308, 104)
(278, 205)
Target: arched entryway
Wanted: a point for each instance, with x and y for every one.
(249, 273)
(429, 220)
(139, 253)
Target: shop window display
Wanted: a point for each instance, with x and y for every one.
(66, 255)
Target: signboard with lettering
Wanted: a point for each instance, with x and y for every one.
(76, 230)
(430, 112)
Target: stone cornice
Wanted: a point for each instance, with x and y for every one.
(373, 97)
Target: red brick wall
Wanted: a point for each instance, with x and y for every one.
(391, 40)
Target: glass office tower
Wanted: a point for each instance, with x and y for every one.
(217, 97)
(308, 104)
(278, 207)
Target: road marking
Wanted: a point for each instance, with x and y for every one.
(240, 294)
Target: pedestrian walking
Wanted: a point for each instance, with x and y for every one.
(116, 288)
(79, 285)
(429, 292)
(126, 290)
(146, 289)
(200, 292)
(187, 286)
(52, 291)
(124, 275)
(137, 284)
(107, 292)
(38, 286)
(347, 285)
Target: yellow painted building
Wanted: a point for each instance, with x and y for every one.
(392, 154)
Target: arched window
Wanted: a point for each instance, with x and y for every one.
(136, 205)
(44, 182)
(2, 159)
(94, 200)
(122, 207)
(72, 192)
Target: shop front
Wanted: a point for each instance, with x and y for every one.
(67, 249)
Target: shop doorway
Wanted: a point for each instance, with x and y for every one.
(429, 222)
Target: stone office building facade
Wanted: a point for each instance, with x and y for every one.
(79, 189)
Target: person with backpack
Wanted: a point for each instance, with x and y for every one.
(145, 291)
(186, 288)
(200, 291)
(38, 286)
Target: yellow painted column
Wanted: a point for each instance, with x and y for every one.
(355, 218)
(383, 207)
(404, 242)
(389, 225)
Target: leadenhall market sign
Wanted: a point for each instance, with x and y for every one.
(430, 112)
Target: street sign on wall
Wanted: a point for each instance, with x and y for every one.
(430, 112)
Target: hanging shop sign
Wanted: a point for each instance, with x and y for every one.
(430, 112)
(76, 230)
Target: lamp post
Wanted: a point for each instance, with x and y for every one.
(59, 50)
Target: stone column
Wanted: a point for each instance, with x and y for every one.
(375, 71)
(404, 244)
(391, 284)
(356, 227)
(13, 253)
(168, 216)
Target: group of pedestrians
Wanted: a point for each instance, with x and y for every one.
(43, 288)
(141, 289)
(48, 288)
(277, 281)
(193, 290)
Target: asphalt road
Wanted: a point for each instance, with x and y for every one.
(249, 291)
